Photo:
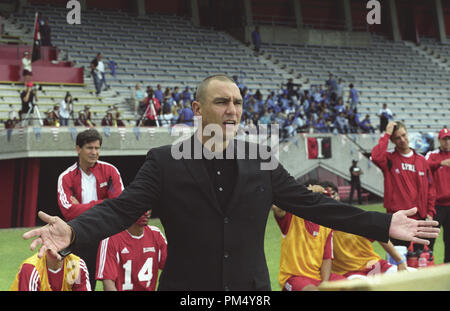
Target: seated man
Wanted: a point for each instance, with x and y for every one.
(130, 260)
(306, 251)
(354, 255)
(49, 274)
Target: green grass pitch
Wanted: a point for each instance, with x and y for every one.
(13, 250)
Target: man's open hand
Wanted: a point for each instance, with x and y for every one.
(54, 237)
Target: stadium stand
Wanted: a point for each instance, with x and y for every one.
(163, 49)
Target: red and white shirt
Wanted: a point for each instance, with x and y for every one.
(35, 275)
(132, 262)
(441, 175)
(108, 184)
(408, 181)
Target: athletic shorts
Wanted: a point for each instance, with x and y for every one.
(379, 267)
(297, 283)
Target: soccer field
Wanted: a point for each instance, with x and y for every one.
(14, 249)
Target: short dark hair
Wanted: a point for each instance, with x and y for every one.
(399, 126)
(201, 89)
(87, 137)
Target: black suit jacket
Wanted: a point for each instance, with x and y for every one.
(212, 249)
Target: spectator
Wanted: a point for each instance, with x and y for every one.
(138, 97)
(256, 40)
(331, 85)
(108, 119)
(116, 116)
(290, 85)
(13, 118)
(341, 123)
(88, 115)
(27, 70)
(340, 89)
(98, 73)
(29, 98)
(51, 118)
(65, 109)
(186, 115)
(176, 95)
(385, 115)
(137, 268)
(152, 110)
(159, 93)
(166, 117)
(439, 162)
(366, 125)
(353, 96)
(112, 67)
(46, 39)
(81, 120)
(186, 95)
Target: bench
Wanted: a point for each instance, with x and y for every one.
(344, 193)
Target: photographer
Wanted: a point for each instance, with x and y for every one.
(66, 109)
(29, 99)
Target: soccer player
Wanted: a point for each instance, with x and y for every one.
(407, 177)
(87, 183)
(354, 255)
(130, 260)
(439, 161)
(50, 274)
(306, 251)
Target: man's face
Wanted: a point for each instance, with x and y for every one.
(221, 105)
(400, 139)
(89, 153)
(445, 143)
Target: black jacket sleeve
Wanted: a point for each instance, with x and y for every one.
(292, 197)
(115, 215)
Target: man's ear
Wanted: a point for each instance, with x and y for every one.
(196, 108)
(78, 149)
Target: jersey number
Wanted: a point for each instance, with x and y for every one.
(145, 274)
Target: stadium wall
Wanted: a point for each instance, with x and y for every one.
(32, 160)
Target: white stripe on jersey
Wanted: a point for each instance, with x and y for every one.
(84, 268)
(156, 229)
(117, 171)
(427, 156)
(34, 279)
(102, 259)
(153, 228)
(62, 195)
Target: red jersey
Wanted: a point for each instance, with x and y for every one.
(304, 246)
(132, 262)
(109, 185)
(408, 181)
(441, 175)
(34, 275)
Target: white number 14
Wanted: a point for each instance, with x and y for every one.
(145, 274)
